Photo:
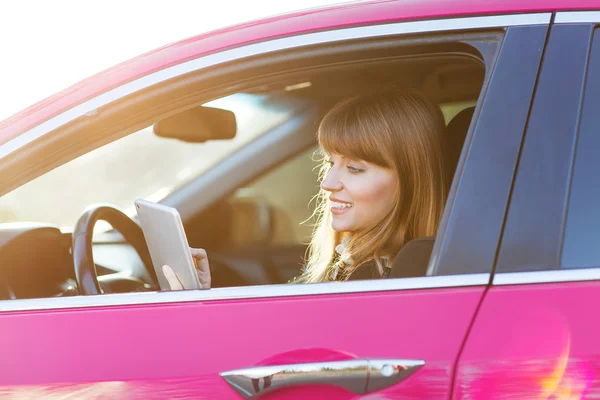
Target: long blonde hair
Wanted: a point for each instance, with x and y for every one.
(401, 131)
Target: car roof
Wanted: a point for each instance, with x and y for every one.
(348, 14)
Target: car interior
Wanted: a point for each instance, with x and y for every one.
(252, 210)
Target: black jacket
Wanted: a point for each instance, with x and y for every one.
(368, 271)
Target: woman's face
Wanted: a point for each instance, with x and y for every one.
(361, 194)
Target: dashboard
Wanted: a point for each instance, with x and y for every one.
(36, 261)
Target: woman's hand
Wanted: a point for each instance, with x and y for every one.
(202, 269)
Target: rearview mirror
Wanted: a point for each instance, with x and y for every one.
(198, 124)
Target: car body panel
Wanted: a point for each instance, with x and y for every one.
(141, 349)
(535, 341)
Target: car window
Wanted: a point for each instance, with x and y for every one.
(553, 219)
(139, 165)
(581, 247)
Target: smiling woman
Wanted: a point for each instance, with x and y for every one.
(383, 184)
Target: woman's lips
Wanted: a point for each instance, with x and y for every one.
(339, 211)
(340, 208)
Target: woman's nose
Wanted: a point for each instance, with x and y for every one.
(331, 182)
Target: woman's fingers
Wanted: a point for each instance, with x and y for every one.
(172, 278)
(199, 254)
(202, 267)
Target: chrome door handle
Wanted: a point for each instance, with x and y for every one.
(360, 376)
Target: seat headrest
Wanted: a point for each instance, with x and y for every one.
(413, 259)
(454, 139)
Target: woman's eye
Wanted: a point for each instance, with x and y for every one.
(354, 170)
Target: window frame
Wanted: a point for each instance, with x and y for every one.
(95, 105)
(545, 265)
(472, 230)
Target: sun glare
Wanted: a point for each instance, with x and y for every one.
(48, 46)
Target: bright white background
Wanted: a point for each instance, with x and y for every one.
(48, 45)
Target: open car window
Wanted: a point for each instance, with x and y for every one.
(269, 168)
(139, 165)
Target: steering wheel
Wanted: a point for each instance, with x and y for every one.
(83, 259)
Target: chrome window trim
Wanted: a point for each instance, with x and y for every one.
(577, 17)
(260, 48)
(248, 292)
(556, 276)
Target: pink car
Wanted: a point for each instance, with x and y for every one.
(221, 126)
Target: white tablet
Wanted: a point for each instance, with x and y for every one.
(167, 243)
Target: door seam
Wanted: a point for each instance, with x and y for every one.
(455, 364)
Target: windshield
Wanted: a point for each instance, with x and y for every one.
(139, 165)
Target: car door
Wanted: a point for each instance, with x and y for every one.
(536, 333)
(397, 337)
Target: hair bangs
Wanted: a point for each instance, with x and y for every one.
(348, 132)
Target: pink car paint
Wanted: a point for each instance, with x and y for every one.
(301, 22)
(178, 350)
(533, 342)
